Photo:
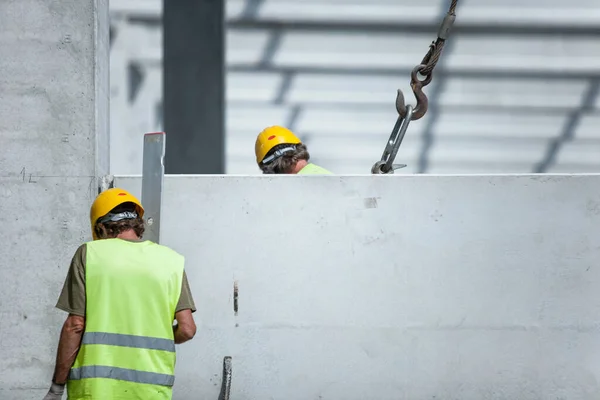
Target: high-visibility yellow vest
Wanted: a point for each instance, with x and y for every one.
(312, 169)
(128, 348)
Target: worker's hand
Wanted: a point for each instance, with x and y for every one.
(56, 392)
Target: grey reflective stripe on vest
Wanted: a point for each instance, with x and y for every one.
(140, 342)
(130, 375)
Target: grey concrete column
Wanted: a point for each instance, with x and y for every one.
(53, 146)
(194, 87)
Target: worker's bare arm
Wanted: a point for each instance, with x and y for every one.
(185, 328)
(68, 347)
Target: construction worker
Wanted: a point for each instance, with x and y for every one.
(279, 151)
(122, 295)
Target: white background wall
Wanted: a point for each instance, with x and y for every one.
(456, 287)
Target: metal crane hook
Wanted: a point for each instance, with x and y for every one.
(406, 113)
(417, 87)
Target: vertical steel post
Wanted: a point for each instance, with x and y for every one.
(153, 173)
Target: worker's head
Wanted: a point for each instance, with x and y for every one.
(116, 211)
(278, 151)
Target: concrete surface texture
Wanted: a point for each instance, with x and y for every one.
(54, 142)
(389, 287)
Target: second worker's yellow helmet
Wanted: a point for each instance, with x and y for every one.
(271, 137)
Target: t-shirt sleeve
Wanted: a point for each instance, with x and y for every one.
(72, 297)
(186, 301)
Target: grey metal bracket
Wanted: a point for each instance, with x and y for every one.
(153, 173)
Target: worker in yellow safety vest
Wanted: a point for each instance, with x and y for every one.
(122, 294)
(279, 151)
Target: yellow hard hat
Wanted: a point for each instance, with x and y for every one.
(110, 199)
(271, 137)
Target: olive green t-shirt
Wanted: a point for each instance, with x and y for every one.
(72, 297)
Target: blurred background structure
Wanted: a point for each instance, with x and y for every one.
(516, 90)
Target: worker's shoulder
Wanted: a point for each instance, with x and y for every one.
(313, 169)
(82, 247)
(81, 250)
(165, 249)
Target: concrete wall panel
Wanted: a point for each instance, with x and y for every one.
(464, 287)
(43, 223)
(53, 143)
(50, 82)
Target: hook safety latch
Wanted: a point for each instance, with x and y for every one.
(386, 164)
